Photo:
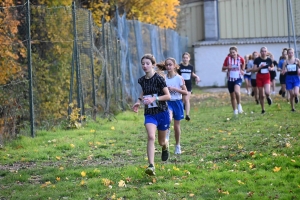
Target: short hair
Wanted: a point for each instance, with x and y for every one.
(233, 48)
(186, 53)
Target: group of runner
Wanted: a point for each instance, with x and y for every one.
(166, 95)
(259, 73)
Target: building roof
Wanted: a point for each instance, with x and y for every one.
(246, 41)
(189, 1)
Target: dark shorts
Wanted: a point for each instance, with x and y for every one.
(247, 77)
(282, 78)
(272, 75)
(231, 84)
(253, 82)
(188, 86)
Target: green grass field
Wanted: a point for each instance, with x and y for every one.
(252, 156)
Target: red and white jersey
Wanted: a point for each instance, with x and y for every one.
(236, 65)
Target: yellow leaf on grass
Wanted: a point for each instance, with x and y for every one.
(225, 192)
(240, 182)
(83, 173)
(293, 160)
(72, 145)
(113, 196)
(191, 195)
(251, 165)
(187, 172)
(82, 183)
(112, 128)
(92, 131)
(288, 145)
(58, 178)
(106, 182)
(57, 157)
(61, 168)
(122, 183)
(276, 169)
(175, 168)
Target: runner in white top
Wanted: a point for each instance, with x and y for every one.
(177, 88)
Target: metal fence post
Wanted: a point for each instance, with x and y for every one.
(92, 58)
(31, 106)
(76, 59)
(71, 84)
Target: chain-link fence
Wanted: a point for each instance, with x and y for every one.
(71, 63)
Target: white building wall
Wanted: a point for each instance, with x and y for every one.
(209, 60)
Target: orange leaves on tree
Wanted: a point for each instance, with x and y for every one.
(162, 13)
(11, 48)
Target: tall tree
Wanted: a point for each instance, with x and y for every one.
(11, 48)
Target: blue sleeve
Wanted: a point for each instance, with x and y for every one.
(280, 64)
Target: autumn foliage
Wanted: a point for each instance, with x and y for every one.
(162, 13)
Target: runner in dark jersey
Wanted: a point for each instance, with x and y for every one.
(187, 72)
(155, 95)
(291, 69)
(263, 65)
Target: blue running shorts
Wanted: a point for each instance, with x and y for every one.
(291, 81)
(177, 108)
(161, 120)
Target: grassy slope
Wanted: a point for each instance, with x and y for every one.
(250, 156)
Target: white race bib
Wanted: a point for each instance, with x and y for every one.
(264, 70)
(186, 76)
(234, 74)
(291, 68)
(152, 105)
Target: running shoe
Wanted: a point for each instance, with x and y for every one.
(150, 170)
(235, 112)
(165, 153)
(257, 102)
(269, 101)
(283, 94)
(263, 112)
(293, 110)
(252, 93)
(280, 92)
(187, 118)
(177, 149)
(240, 109)
(296, 99)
